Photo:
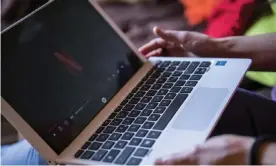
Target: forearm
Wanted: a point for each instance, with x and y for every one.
(268, 154)
(260, 48)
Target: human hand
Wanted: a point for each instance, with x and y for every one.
(220, 150)
(182, 43)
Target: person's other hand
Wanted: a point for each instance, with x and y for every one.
(182, 43)
(220, 150)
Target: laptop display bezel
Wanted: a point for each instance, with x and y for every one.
(28, 132)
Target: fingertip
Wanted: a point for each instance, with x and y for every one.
(157, 31)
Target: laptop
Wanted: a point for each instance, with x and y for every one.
(77, 89)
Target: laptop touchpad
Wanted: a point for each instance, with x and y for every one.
(201, 109)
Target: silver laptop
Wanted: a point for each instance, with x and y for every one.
(78, 90)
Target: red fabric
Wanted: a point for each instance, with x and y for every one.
(230, 18)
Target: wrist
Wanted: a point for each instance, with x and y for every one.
(262, 151)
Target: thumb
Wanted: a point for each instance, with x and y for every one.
(190, 41)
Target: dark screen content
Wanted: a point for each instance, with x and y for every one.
(61, 66)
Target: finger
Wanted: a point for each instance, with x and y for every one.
(190, 41)
(177, 37)
(152, 45)
(157, 52)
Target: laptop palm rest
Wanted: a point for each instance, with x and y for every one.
(201, 109)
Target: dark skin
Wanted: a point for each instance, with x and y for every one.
(225, 149)
(260, 48)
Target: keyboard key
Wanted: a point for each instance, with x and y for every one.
(161, 69)
(175, 63)
(153, 117)
(140, 120)
(156, 74)
(99, 130)
(200, 70)
(175, 89)
(180, 83)
(157, 98)
(140, 94)
(99, 155)
(165, 64)
(154, 134)
(122, 128)
(87, 154)
(111, 156)
(146, 99)
(162, 92)
(124, 102)
(115, 136)
(165, 103)
(124, 155)
(122, 114)
(191, 68)
(127, 136)
(147, 143)
(109, 129)
(129, 96)
(106, 122)
(112, 116)
(150, 81)
(108, 145)
(172, 79)
(120, 144)
(205, 64)
(183, 66)
(116, 122)
(191, 83)
(145, 87)
(185, 77)
(167, 85)
(177, 73)
(161, 80)
(134, 128)
(151, 93)
(171, 68)
(148, 125)
(140, 106)
(118, 109)
(159, 110)
(134, 161)
(128, 121)
(79, 153)
(186, 90)
(134, 113)
(196, 77)
(170, 96)
(93, 137)
(135, 90)
(141, 133)
(156, 86)
(141, 152)
(135, 141)
(146, 112)
(169, 113)
(102, 137)
(164, 76)
(95, 146)
(85, 146)
(134, 100)
(128, 107)
(151, 105)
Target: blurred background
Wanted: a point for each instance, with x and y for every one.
(136, 18)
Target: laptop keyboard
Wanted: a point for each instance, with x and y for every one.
(132, 129)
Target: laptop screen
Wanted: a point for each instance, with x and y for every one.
(61, 66)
